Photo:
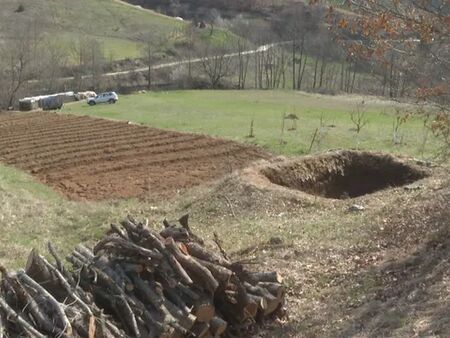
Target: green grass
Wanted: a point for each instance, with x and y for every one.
(118, 26)
(113, 48)
(31, 214)
(229, 113)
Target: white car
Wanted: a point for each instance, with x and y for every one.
(108, 97)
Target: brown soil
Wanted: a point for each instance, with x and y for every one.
(89, 158)
(343, 174)
(329, 180)
(379, 272)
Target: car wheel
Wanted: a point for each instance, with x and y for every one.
(91, 103)
(111, 101)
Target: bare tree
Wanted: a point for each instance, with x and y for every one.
(153, 49)
(96, 62)
(358, 117)
(441, 130)
(295, 24)
(78, 51)
(18, 60)
(399, 119)
(54, 59)
(243, 61)
(216, 63)
(189, 34)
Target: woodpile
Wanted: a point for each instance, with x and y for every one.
(137, 282)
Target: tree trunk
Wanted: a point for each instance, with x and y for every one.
(315, 72)
(293, 63)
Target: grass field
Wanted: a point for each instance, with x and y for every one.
(229, 114)
(31, 214)
(117, 25)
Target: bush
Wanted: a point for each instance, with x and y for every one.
(20, 9)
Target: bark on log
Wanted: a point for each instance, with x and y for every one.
(220, 273)
(200, 330)
(275, 289)
(201, 252)
(149, 284)
(194, 268)
(178, 234)
(272, 301)
(13, 315)
(271, 277)
(217, 326)
(204, 310)
(60, 316)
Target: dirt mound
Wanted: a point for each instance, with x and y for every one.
(344, 174)
(90, 158)
(281, 185)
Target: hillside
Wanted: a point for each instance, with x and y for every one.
(381, 271)
(208, 9)
(117, 25)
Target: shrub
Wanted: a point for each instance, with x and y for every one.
(20, 9)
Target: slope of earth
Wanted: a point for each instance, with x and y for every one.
(116, 25)
(88, 158)
(381, 270)
(227, 8)
(377, 272)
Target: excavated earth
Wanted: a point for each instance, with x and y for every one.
(95, 159)
(343, 174)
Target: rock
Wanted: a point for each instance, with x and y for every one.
(413, 186)
(356, 208)
(275, 241)
(423, 163)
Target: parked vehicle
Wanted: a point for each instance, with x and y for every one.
(52, 102)
(108, 97)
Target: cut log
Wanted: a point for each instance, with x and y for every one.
(178, 234)
(59, 314)
(272, 302)
(217, 326)
(3, 330)
(260, 301)
(204, 310)
(271, 277)
(138, 283)
(196, 270)
(251, 309)
(200, 330)
(198, 251)
(14, 316)
(71, 293)
(220, 273)
(30, 305)
(275, 289)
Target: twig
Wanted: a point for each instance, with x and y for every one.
(25, 279)
(67, 287)
(19, 320)
(219, 245)
(230, 205)
(313, 140)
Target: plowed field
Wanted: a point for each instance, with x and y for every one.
(90, 158)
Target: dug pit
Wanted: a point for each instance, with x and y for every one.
(343, 174)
